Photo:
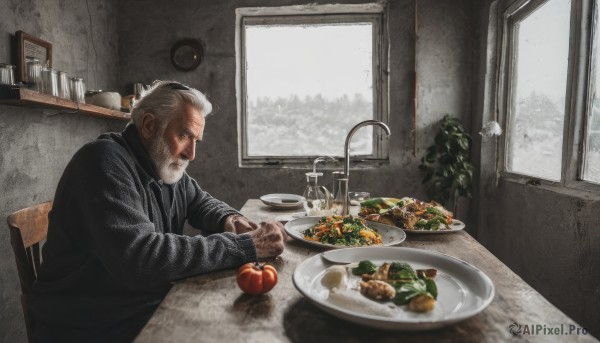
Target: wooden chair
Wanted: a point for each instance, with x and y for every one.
(28, 227)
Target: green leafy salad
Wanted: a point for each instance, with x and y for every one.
(400, 283)
(342, 230)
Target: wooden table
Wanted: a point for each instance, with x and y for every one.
(211, 308)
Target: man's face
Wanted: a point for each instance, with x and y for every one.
(172, 148)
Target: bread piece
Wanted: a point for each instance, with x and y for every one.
(335, 277)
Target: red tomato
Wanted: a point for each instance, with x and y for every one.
(256, 279)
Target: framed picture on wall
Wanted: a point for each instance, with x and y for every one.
(30, 47)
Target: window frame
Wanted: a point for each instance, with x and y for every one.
(577, 93)
(329, 14)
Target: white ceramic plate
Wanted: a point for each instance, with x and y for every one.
(280, 200)
(456, 225)
(463, 290)
(390, 235)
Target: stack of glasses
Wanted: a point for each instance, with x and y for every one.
(54, 82)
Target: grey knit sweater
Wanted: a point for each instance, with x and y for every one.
(114, 243)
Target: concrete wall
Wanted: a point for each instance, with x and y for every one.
(444, 66)
(548, 236)
(113, 45)
(35, 144)
(551, 239)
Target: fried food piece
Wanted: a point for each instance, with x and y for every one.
(426, 273)
(377, 290)
(387, 219)
(384, 270)
(406, 216)
(421, 303)
(373, 217)
(382, 273)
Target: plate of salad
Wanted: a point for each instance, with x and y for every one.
(343, 232)
(394, 288)
(410, 214)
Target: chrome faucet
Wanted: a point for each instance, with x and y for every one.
(322, 159)
(345, 206)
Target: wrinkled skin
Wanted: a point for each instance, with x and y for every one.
(268, 237)
(239, 224)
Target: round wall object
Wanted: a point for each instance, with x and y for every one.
(186, 54)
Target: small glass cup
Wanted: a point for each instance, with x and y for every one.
(50, 81)
(77, 90)
(7, 74)
(64, 85)
(34, 75)
(355, 199)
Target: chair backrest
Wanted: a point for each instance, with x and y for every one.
(28, 227)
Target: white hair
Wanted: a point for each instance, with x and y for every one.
(164, 99)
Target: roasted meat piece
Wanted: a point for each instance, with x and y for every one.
(377, 289)
(406, 216)
(426, 273)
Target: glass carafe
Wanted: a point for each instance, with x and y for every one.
(317, 198)
(340, 193)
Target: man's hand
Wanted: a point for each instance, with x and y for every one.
(238, 224)
(269, 239)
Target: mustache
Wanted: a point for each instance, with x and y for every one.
(180, 162)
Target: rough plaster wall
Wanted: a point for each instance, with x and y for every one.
(445, 40)
(35, 145)
(551, 239)
(144, 53)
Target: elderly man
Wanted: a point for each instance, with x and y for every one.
(115, 239)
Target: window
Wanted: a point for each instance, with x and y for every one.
(539, 79)
(305, 81)
(551, 110)
(591, 168)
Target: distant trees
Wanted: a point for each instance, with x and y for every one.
(536, 136)
(313, 125)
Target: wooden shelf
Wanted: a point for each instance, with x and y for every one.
(19, 96)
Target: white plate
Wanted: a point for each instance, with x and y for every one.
(390, 235)
(280, 200)
(463, 290)
(456, 225)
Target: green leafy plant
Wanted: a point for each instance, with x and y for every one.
(446, 163)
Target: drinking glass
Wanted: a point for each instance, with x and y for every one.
(7, 74)
(355, 199)
(50, 81)
(77, 90)
(34, 75)
(64, 85)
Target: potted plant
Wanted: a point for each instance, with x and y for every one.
(446, 163)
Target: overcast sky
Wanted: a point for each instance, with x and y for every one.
(543, 50)
(308, 60)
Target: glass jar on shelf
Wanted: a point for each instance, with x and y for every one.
(34, 74)
(77, 90)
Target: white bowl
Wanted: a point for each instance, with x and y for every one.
(110, 100)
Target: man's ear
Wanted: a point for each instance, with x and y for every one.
(149, 126)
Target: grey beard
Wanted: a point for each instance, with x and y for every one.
(169, 168)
